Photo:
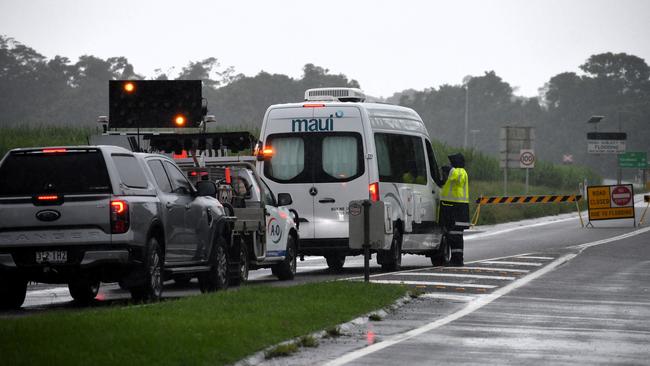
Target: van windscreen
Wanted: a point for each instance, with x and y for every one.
(69, 172)
(315, 157)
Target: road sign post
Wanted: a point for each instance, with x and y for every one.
(513, 140)
(527, 161)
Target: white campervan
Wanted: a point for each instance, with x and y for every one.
(335, 148)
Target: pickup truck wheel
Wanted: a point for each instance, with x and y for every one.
(83, 292)
(153, 286)
(335, 261)
(287, 269)
(12, 293)
(393, 257)
(217, 278)
(442, 256)
(242, 274)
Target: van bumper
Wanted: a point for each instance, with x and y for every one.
(326, 246)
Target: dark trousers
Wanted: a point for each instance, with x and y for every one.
(454, 217)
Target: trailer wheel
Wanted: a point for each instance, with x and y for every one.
(335, 261)
(287, 269)
(83, 292)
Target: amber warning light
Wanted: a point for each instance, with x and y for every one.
(179, 120)
(129, 87)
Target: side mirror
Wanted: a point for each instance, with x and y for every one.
(206, 188)
(284, 199)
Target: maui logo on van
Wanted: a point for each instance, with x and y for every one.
(314, 124)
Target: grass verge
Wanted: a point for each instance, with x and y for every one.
(213, 329)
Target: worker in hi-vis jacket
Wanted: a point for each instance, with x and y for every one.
(454, 206)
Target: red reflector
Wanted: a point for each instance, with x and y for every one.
(48, 198)
(374, 191)
(49, 151)
(313, 105)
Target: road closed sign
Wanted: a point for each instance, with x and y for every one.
(610, 202)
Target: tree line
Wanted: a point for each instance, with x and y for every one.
(36, 90)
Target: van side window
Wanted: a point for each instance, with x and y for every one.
(288, 159)
(400, 158)
(433, 164)
(129, 170)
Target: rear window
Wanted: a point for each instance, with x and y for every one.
(71, 172)
(315, 157)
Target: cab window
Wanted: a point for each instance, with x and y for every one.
(180, 184)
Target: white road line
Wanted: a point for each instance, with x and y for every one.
(532, 264)
(473, 305)
(506, 278)
(605, 241)
(449, 296)
(427, 283)
(482, 235)
(499, 269)
(532, 257)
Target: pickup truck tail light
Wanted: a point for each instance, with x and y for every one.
(119, 216)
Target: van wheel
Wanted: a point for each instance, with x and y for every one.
(442, 256)
(153, 279)
(335, 261)
(83, 292)
(287, 269)
(217, 278)
(392, 260)
(12, 293)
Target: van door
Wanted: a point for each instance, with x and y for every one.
(288, 171)
(340, 173)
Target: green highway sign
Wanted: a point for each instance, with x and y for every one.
(638, 160)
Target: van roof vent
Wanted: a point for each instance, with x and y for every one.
(335, 94)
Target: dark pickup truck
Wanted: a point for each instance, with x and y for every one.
(89, 214)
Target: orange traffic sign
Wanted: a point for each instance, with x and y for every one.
(610, 202)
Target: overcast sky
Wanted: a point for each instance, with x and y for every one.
(387, 46)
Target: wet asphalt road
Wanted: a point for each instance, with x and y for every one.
(592, 308)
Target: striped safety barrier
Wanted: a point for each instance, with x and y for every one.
(498, 200)
(528, 199)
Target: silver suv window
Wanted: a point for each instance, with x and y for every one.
(130, 171)
(180, 184)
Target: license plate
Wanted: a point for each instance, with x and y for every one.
(52, 256)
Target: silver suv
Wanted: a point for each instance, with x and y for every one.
(89, 214)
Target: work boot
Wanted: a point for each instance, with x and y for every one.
(456, 261)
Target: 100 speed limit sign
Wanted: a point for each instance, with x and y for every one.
(527, 159)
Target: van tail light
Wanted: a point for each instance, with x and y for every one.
(374, 191)
(119, 216)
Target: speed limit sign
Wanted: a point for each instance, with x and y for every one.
(526, 158)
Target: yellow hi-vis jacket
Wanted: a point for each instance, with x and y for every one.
(456, 188)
